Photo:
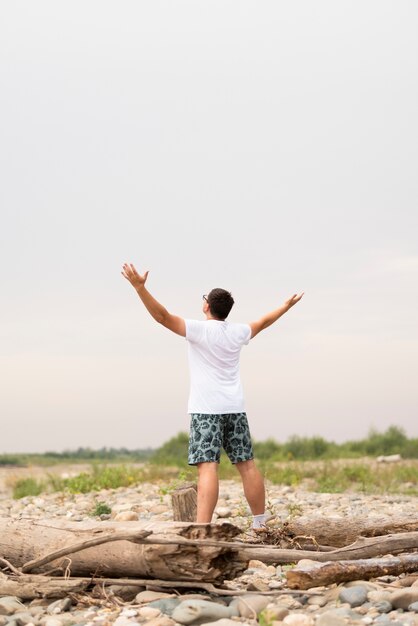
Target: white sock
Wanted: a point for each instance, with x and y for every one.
(259, 520)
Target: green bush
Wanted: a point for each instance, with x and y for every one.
(11, 459)
(27, 487)
(173, 452)
(101, 508)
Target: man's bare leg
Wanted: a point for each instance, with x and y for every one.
(207, 491)
(253, 484)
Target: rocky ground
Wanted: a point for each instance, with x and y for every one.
(387, 601)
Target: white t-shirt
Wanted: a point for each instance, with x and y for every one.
(214, 349)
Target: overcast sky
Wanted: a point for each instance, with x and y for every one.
(264, 147)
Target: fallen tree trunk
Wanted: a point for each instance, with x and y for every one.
(341, 531)
(28, 587)
(24, 541)
(364, 547)
(307, 575)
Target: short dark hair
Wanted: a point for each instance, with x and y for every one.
(220, 303)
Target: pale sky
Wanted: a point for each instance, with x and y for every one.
(264, 147)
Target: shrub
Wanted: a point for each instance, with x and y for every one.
(101, 508)
(27, 487)
(173, 452)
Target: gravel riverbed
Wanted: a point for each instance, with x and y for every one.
(387, 601)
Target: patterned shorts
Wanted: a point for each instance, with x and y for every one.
(209, 433)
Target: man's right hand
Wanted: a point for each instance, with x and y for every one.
(130, 273)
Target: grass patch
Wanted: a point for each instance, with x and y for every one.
(335, 476)
(98, 478)
(366, 476)
(27, 487)
(101, 508)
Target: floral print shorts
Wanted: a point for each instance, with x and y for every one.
(209, 433)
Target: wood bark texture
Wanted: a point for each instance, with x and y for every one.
(184, 503)
(341, 531)
(28, 587)
(364, 547)
(307, 575)
(22, 541)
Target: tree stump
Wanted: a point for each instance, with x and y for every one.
(184, 503)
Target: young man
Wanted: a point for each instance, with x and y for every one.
(216, 402)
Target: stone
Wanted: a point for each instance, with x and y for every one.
(126, 516)
(52, 621)
(10, 604)
(126, 592)
(162, 620)
(384, 606)
(362, 583)
(59, 606)
(354, 596)
(275, 612)
(258, 584)
(148, 612)
(275, 584)
(122, 620)
(289, 602)
(379, 596)
(165, 605)
(220, 622)
(402, 598)
(130, 613)
(413, 607)
(36, 611)
(407, 581)
(299, 619)
(254, 564)
(23, 617)
(150, 596)
(249, 605)
(190, 611)
(223, 511)
(330, 619)
(317, 600)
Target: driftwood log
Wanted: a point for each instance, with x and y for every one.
(364, 547)
(307, 575)
(341, 531)
(115, 549)
(28, 586)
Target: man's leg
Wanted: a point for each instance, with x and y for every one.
(253, 484)
(207, 491)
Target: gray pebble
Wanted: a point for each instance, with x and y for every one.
(403, 598)
(59, 606)
(354, 596)
(329, 618)
(413, 607)
(23, 617)
(384, 606)
(190, 611)
(166, 605)
(10, 604)
(52, 621)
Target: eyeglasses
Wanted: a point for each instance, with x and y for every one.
(205, 297)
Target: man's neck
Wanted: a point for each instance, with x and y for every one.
(209, 317)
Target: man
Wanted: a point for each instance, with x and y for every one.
(216, 402)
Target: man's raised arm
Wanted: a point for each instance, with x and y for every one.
(158, 312)
(273, 316)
